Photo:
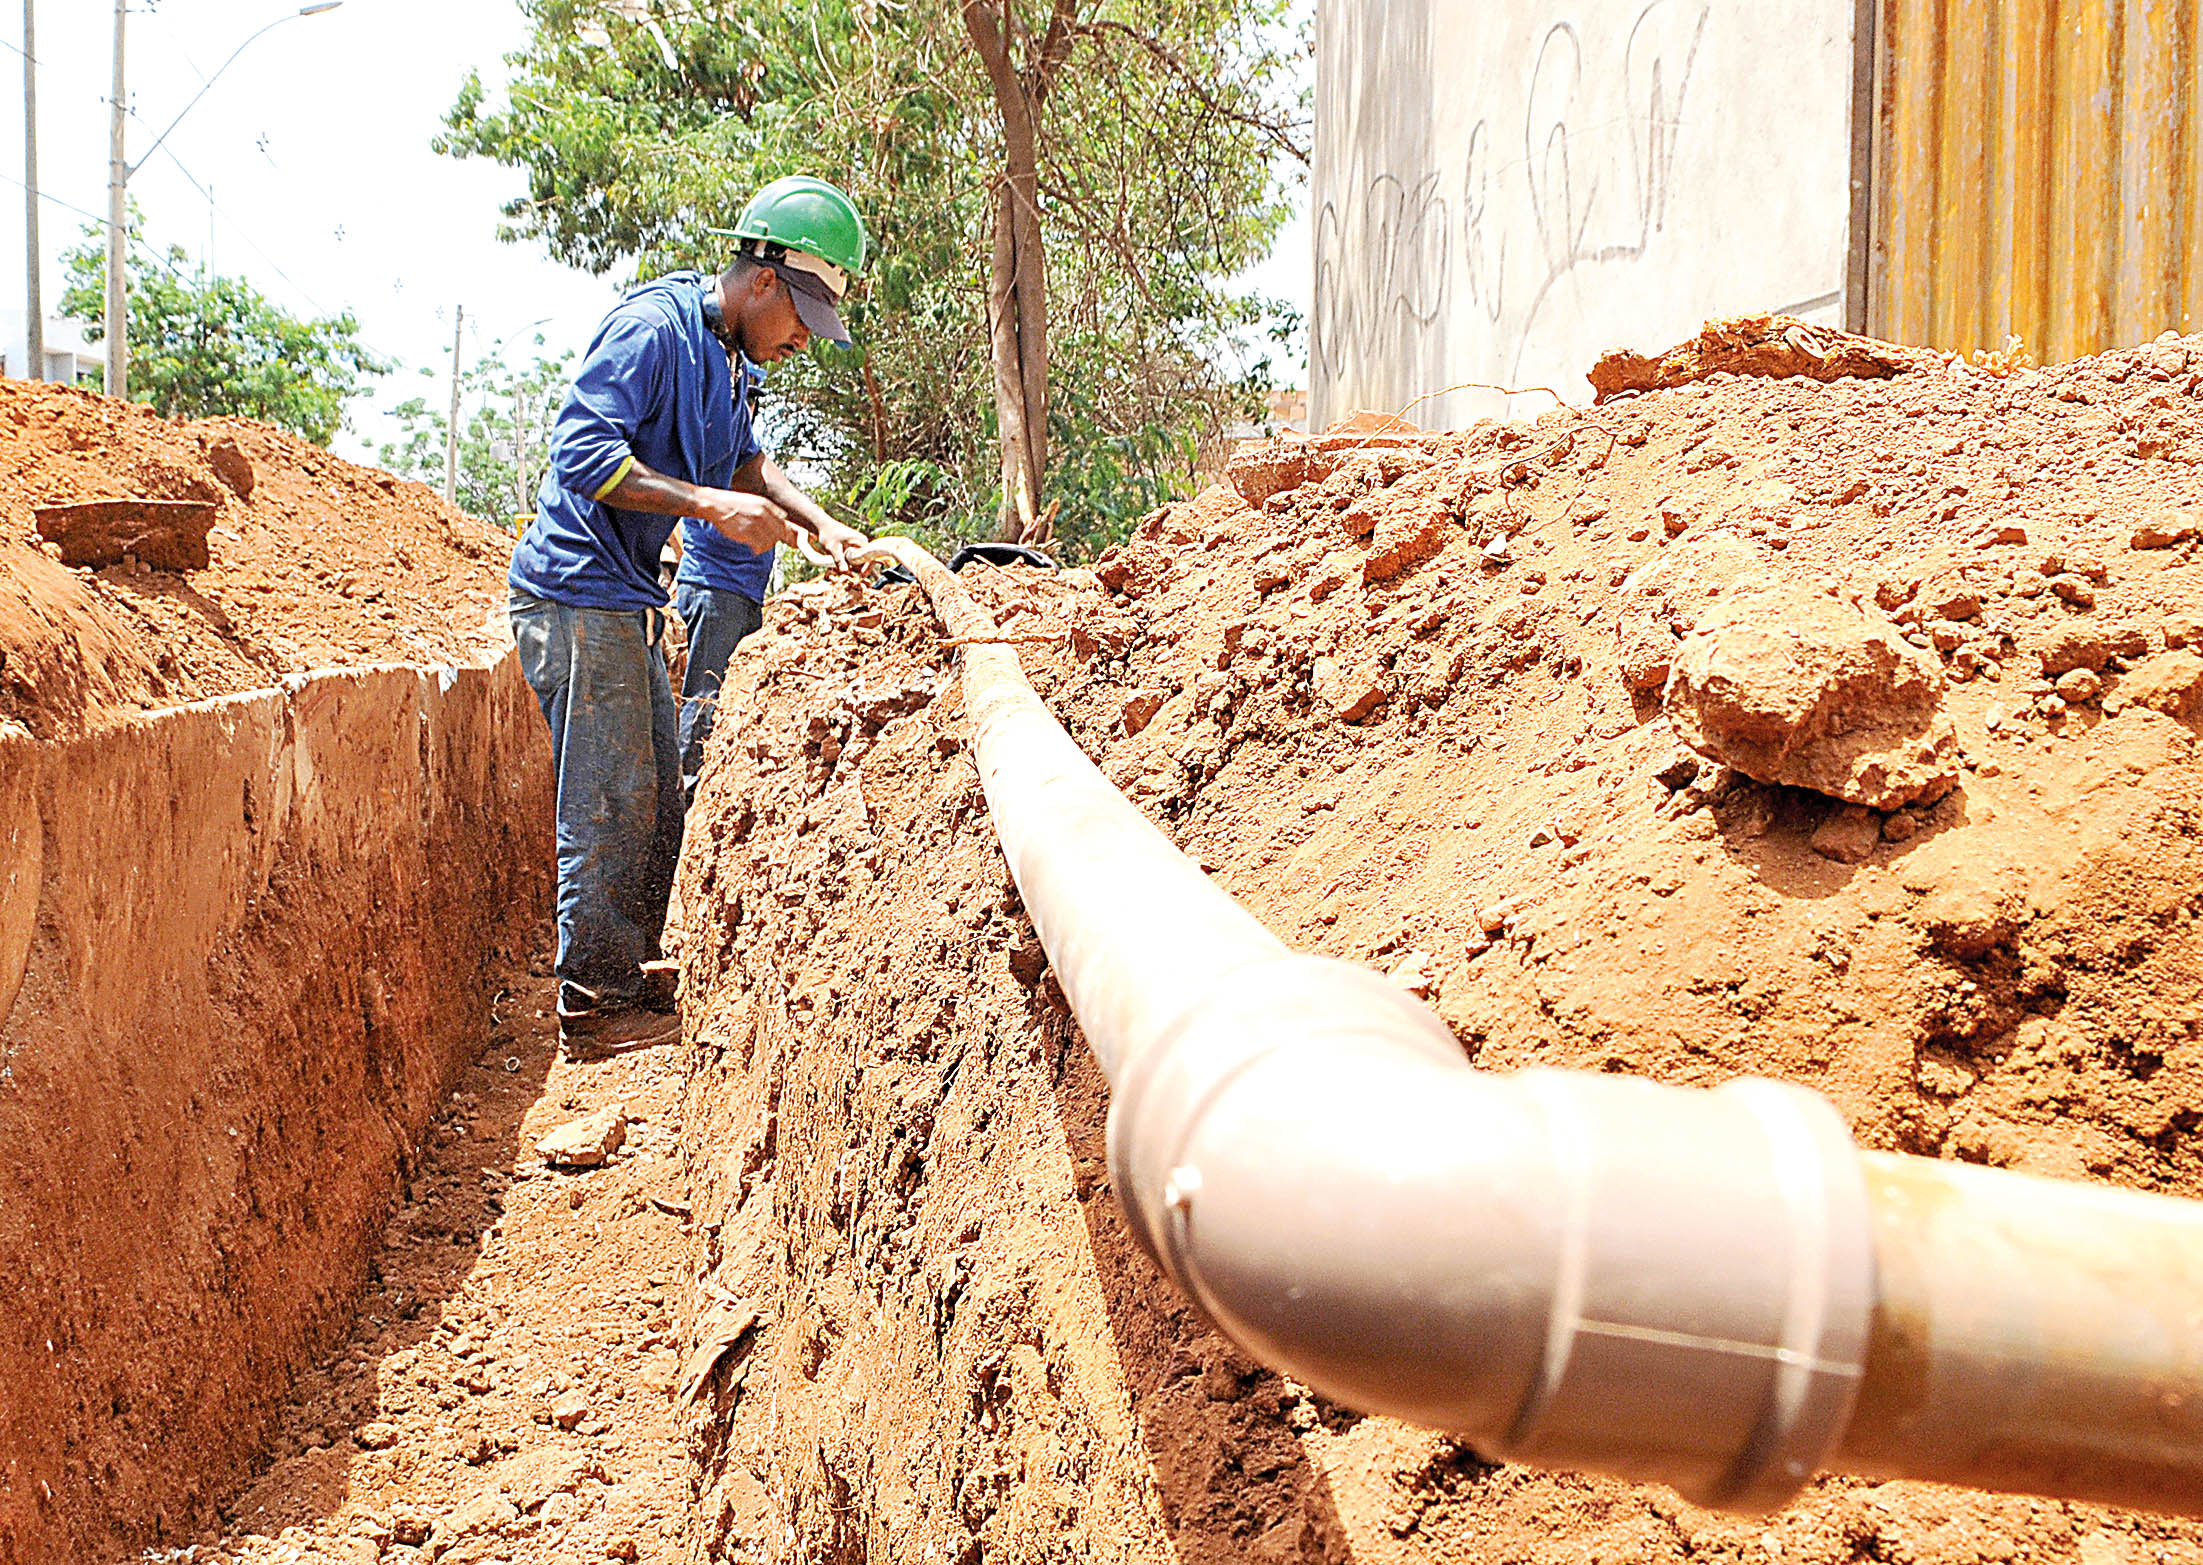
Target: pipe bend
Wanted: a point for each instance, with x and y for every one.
(1576, 1270)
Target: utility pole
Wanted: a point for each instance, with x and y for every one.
(119, 170)
(451, 430)
(34, 320)
(520, 445)
(117, 324)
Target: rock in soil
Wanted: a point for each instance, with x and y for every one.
(585, 1142)
(1791, 685)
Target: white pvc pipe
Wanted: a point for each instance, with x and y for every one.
(1574, 1270)
(2033, 1334)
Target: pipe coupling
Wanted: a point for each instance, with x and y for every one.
(1577, 1270)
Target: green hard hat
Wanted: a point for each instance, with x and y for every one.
(808, 215)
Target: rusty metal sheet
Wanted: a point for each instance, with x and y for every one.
(2035, 173)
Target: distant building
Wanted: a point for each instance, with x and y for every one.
(70, 360)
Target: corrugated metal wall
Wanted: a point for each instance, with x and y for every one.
(2037, 170)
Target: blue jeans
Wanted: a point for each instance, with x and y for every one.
(717, 623)
(600, 677)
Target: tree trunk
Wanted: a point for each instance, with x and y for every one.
(1021, 463)
(1017, 293)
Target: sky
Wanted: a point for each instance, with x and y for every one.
(307, 169)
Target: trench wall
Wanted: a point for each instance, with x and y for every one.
(243, 945)
(1504, 192)
(941, 1343)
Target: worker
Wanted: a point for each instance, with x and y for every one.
(658, 428)
(811, 233)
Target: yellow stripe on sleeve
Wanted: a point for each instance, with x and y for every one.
(613, 482)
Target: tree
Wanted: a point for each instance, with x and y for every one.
(504, 436)
(1055, 209)
(204, 345)
(1017, 280)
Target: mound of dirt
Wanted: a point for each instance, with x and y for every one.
(301, 561)
(1777, 346)
(1409, 705)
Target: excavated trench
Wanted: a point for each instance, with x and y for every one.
(264, 852)
(290, 1279)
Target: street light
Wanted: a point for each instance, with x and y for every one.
(119, 172)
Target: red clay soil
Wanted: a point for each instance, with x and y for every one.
(254, 966)
(317, 563)
(1402, 743)
(505, 1393)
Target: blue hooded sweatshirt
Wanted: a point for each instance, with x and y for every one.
(655, 387)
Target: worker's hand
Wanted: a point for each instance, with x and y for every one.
(840, 541)
(747, 518)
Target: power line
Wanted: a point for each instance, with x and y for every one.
(319, 308)
(145, 251)
(154, 255)
(176, 46)
(44, 195)
(239, 230)
(170, 153)
(162, 261)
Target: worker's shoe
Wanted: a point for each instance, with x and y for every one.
(587, 1024)
(661, 990)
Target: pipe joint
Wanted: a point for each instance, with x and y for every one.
(1718, 1247)
(1570, 1269)
(1288, 1002)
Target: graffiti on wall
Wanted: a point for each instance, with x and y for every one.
(1573, 165)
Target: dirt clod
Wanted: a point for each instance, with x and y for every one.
(166, 535)
(1772, 345)
(1660, 603)
(1792, 685)
(1267, 470)
(234, 468)
(586, 1142)
(1849, 835)
(2171, 683)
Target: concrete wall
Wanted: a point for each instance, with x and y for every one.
(1503, 191)
(244, 946)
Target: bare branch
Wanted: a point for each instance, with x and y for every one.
(1175, 63)
(1055, 46)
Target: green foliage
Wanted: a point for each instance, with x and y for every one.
(203, 345)
(640, 123)
(504, 434)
